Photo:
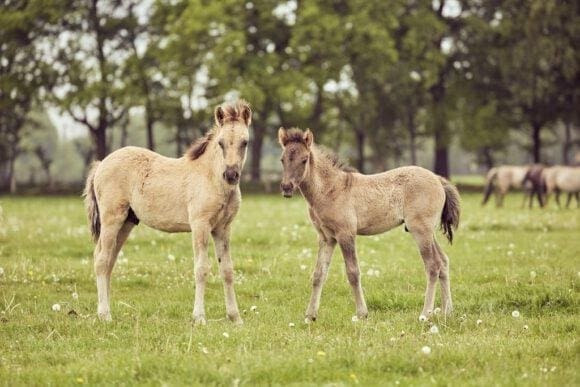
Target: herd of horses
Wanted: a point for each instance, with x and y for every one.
(200, 193)
(535, 180)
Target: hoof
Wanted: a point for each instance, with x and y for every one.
(309, 319)
(199, 320)
(236, 320)
(106, 317)
(362, 315)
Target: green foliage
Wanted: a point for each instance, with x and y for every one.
(501, 261)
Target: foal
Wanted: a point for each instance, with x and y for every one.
(343, 204)
(198, 192)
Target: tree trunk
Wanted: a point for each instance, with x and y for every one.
(150, 122)
(441, 160)
(360, 146)
(441, 164)
(567, 143)
(412, 137)
(536, 142)
(100, 136)
(488, 158)
(256, 153)
(12, 175)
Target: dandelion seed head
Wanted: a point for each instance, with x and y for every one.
(434, 330)
(515, 314)
(56, 308)
(75, 296)
(422, 318)
(436, 310)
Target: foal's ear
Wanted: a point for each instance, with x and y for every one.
(247, 114)
(219, 115)
(282, 136)
(308, 138)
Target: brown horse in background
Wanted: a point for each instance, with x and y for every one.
(343, 204)
(198, 192)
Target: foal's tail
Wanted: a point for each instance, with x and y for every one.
(451, 210)
(91, 203)
(489, 184)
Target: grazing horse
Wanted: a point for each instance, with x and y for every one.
(501, 179)
(343, 204)
(198, 192)
(534, 181)
(562, 178)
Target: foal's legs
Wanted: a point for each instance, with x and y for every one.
(221, 238)
(121, 239)
(446, 302)
(200, 236)
(348, 247)
(325, 250)
(425, 241)
(105, 256)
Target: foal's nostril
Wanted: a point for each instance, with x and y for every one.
(286, 187)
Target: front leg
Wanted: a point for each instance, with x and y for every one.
(325, 250)
(348, 247)
(221, 238)
(200, 236)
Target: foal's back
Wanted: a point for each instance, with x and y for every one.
(385, 200)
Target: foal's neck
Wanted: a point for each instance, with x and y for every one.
(322, 178)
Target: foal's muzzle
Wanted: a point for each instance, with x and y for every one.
(287, 189)
(232, 175)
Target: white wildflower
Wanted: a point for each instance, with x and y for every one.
(226, 335)
(75, 296)
(171, 257)
(253, 308)
(1, 271)
(354, 318)
(436, 310)
(56, 308)
(426, 350)
(422, 318)
(526, 327)
(533, 274)
(479, 322)
(291, 325)
(434, 330)
(303, 267)
(515, 314)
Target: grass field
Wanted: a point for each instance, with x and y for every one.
(502, 261)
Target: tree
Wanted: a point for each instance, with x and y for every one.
(24, 72)
(91, 53)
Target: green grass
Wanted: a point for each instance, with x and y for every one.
(502, 260)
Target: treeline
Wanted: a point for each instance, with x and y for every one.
(379, 77)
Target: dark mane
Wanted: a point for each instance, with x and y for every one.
(234, 112)
(198, 146)
(335, 160)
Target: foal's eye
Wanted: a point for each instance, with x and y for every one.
(244, 143)
(304, 161)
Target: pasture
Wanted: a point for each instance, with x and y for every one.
(514, 275)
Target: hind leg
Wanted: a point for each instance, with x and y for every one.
(121, 239)
(105, 256)
(444, 281)
(426, 243)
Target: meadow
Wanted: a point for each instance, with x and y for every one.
(514, 276)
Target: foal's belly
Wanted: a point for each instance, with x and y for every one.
(162, 215)
(378, 227)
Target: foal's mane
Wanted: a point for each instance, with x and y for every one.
(296, 135)
(232, 112)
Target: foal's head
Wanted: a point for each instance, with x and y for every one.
(296, 155)
(231, 136)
